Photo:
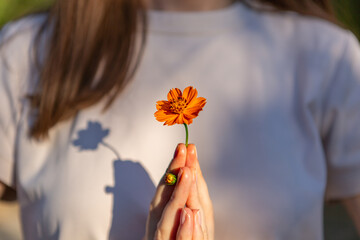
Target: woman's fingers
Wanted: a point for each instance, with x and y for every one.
(186, 227)
(164, 192)
(198, 233)
(193, 162)
(169, 222)
(199, 197)
(190, 225)
(171, 215)
(194, 202)
(179, 159)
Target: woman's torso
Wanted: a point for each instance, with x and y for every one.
(259, 138)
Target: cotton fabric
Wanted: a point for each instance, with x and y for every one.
(279, 135)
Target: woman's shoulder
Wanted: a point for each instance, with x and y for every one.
(22, 27)
(17, 39)
(298, 30)
(17, 36)
(309, 37)
(323, 40)
(319, 30)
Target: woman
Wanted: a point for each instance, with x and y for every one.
(277, 137)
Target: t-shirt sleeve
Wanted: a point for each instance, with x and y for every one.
(8, 108)
(341, 136)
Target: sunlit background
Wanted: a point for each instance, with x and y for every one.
(337, 223)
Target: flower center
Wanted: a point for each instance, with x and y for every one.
(178, 105)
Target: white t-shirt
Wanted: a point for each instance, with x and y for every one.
(279, 134)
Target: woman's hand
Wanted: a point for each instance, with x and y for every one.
(199, 197)
(183, 211)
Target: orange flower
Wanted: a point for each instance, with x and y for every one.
(180, 108)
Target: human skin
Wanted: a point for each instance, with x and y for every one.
(352, 205)
(2, 189)
(167, 207)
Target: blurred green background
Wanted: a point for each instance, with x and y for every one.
(337, 223)
(348, 12)
(10, 9)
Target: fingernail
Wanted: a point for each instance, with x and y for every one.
(194, 175)
(197, 216)
(184, 215)
(195, 152)
(176, 150)
(180, 174)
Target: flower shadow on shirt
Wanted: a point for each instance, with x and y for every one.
(132, 191)
(91, 137)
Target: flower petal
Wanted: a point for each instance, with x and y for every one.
(189, 94)
(178, 111)
(163, 116)
(171, 119)
(165, 105)
(173, 94)
(197, 102)
(187, 120)
(160, 115)
(181, 119)
(192, 113)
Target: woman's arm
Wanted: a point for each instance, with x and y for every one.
(352, 205)
(2, 190)
(7, 193)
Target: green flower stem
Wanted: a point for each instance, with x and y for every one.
(187, 135)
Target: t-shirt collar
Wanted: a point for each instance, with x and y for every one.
(206, 22)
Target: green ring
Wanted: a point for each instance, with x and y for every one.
(170, 179)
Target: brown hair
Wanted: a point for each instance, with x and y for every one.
(87, 35)
(316, 8)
